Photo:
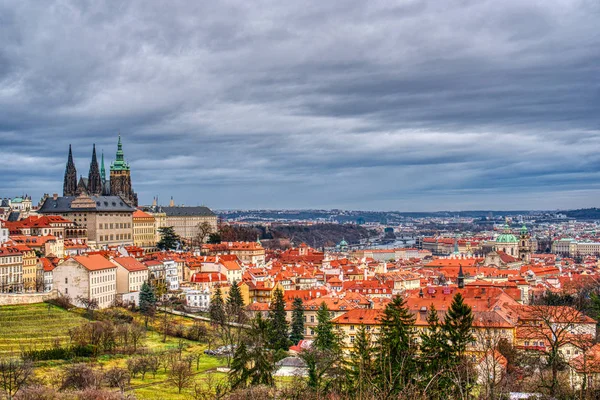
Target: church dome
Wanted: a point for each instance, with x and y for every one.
(506, 236)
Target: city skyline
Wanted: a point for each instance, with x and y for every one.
(411, 107)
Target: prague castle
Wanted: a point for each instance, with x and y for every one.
(96, 183)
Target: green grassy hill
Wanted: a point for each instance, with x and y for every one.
(34, 325)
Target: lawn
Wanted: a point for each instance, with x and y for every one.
(34, 325)
(40, 325)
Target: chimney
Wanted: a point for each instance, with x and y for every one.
(54, 196)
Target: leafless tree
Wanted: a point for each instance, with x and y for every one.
(14, 374)
(118, 378)
(552, 328)
(180, 375)
(89, 304)
(203, 230)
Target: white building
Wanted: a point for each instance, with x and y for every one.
(90, 277)
(198, 298)
(3, 233)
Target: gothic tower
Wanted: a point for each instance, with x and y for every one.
(94, 186)
(120, 178)
(70, 182)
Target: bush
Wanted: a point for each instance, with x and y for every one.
(61, 301)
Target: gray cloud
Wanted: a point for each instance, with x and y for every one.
(414, 105)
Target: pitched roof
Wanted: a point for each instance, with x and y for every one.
(94, 262)
(188, 211)
(130, 264)
(97, 203)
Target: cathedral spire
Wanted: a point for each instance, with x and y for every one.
(94, 180)
(102, 170)
(70, 181)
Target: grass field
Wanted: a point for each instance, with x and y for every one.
(36, 325)
(39, 325)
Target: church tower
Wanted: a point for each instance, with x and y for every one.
(120, 178)
(70, 181)
(525, 245)
(94, 186)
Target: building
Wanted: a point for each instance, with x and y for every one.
(247, 252)
(131, 275)
(96, 183)
(90, 277)
(3, 232)
(198, 298)
(11, 269)
(31, 277)
(108, 219)
(143, 230)
(186, 220)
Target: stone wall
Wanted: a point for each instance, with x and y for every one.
(26, 298)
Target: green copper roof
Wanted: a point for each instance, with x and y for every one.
(507, 236)
(119, 164)
(102, 170)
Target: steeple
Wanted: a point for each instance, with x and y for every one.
(70, 181)
(102, 170)
(461, 278)
(119, 164)
(94, 180)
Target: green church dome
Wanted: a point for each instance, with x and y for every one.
(506, 236)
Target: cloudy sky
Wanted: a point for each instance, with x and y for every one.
(390, 105)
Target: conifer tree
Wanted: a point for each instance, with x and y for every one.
(395, 349)
(147, 302)
(457, 329)
(326, 338)
(278, 326)
(235, 304)
(239, 371)
(361, 366)
(168, 238)
(216, 309)
(458, 324)
(434, 356)
(297, 333)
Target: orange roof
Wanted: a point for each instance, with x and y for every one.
(94, 262)
(360, 316)
(130, 264)
(141, 214)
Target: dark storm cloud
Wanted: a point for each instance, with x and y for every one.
(405, 105)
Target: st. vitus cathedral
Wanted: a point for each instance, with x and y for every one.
(96, 183)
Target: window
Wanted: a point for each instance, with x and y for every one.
(351, 327)
(66, 281)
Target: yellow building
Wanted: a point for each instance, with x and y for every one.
(30, 269)
(144, 232)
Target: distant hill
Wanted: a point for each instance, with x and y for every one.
(583, 213)
(320, 235)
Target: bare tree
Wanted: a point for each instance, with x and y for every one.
(117, 377)
(549, 329)
(181, 375)
(14, 375)
(491, 368)
(89, 304)
(203, 230)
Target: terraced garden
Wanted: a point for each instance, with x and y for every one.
(34, 325)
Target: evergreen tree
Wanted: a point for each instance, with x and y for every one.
(297, 333)
(235, 304)
(240, 371)
(458, 324)
(147, 301)
(168, 238)
(278, 326)
(395, 349)
(216, 309)
(434, 356)
(361, 366)
(457, 329)
(326, 338)
(253, 360)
